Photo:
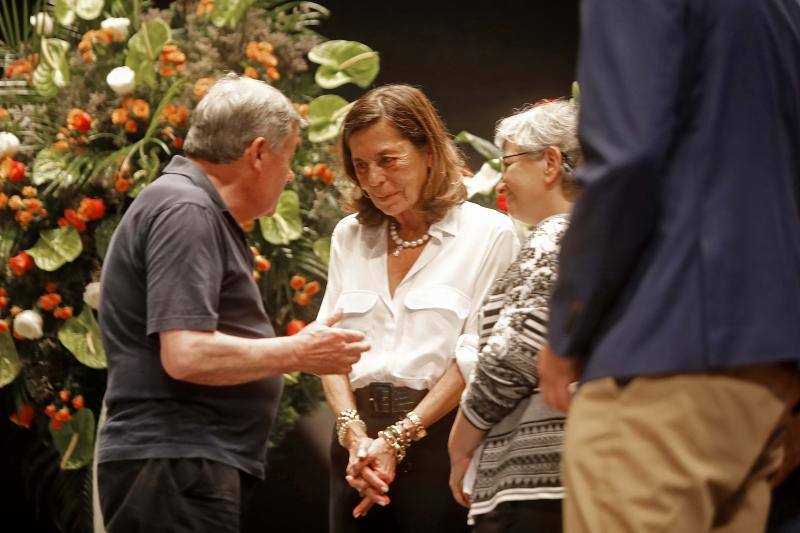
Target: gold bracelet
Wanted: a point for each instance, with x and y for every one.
(345, 418)
(394, 439)
(419, 430)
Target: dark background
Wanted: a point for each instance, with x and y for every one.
(477, 64)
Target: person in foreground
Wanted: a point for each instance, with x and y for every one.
(678, 297)
(410, 269)
(516, 482)
(194, 367)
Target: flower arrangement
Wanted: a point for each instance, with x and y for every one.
(96, 97)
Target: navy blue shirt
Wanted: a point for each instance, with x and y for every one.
(683, 254)
(178, 260)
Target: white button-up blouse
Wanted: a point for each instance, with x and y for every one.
(415, 334)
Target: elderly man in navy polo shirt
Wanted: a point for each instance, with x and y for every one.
(194, 366)
(678, 299)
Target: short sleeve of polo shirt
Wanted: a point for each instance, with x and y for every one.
(185, 267)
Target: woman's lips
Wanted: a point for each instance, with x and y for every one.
(384, 198)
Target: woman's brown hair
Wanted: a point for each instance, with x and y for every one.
(409, 110)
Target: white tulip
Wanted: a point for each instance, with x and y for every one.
(42, 22)
(121, 80)
(28, 324)
(9, 144)
(117, 25)
(91, 295)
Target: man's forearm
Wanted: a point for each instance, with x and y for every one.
(214, 358)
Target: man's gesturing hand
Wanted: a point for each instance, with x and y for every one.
(324, 349)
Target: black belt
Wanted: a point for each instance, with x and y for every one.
(385, 399)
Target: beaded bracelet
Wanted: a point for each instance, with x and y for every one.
(419, 430)
(394, 438)
(345, 418)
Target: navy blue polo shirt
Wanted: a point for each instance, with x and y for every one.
(178, 260)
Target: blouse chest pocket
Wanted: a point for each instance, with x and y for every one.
(439, 310)
(357, 307)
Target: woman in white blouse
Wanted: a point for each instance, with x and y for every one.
(410, 268)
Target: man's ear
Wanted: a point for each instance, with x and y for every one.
(255, 152)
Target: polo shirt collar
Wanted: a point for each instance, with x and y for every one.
(186, 167)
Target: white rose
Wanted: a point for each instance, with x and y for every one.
(117, 25)
(91, 295)
(28, 324)
(9, 144)
(42, 22)
(121, 80)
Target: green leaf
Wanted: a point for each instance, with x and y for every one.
(48, 166)
(52, 71)
(89, 9)
(229, 12)
(8, 236)
(576, 93)
(322, 247)
(10, 364)
(81, 335)
(56, 247)
(487, 149)
(325, 116)
(344, 62)
(102, 236)
(75, 441)
(286, 224)
(143, 50)
(65, 12)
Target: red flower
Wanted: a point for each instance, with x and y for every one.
(92, 209)
(501, 202)
(23, 416)
(73, 218)
(294, 327)
(80, 120)
(20, 263)
(17, 171)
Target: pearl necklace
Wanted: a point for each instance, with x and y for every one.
(401, 244)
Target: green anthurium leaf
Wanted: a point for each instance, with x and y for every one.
(576, 93)
(65, 12)
(75, 440)
(81, 335)
(286, 224)
(344, 62)
(10, 364)
(487, 149)
(48, 166)
(322, 247)
(52, 71)
(89, 9)
(143, 50)
(325, 117)
(8, 236)
(229, 12)
(56, 247)
(103, 233)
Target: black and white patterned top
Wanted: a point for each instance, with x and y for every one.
(520, 457)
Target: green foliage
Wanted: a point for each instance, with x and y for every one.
(285, 225)
(75, 440)
(10, 364)
(344, 62)
(325, 116)
(144, 48)
(229, 12)
(56, 247)
(81, 336)
(52, 73)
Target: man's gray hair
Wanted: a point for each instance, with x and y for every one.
(552, 123)
(236, 110)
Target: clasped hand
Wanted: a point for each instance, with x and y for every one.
(370, 470)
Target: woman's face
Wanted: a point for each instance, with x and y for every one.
(523, 182)
(389, 168)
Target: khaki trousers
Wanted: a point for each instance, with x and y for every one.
(683, 453)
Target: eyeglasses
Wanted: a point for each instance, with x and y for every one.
(503, 164)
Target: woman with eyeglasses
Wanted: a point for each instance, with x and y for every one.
(504, 435)
(410, 268)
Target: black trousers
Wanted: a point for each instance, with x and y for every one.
(172, 495)
(527, 516)
(421, 501)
